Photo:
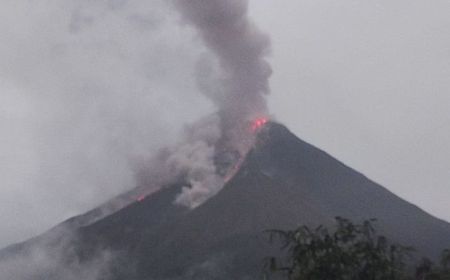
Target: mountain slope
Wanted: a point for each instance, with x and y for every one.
(284, 182)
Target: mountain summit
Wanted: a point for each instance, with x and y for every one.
(283, 182)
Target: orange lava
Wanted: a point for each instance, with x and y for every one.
(258, 123)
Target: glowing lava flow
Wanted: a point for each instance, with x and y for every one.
(258, 123)
(255, 126)
(144, 193)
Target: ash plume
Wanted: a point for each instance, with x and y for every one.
(235, 80)
(240, 77)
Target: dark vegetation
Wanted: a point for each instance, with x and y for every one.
(349, 252)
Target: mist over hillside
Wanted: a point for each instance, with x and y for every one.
(283, 182)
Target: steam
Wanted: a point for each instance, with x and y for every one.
(192, 160)
(195, 158)
(54, 257)
(235, 80)
(232, 74)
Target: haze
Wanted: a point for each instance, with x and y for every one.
(88, 88)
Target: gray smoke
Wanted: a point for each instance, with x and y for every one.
(235, 79)
(99, 109)
(238, 82)
(195, 158)
(89, 86)
(53, 258)
(191, 160)
(86, 87)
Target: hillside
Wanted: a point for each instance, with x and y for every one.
(284, 182)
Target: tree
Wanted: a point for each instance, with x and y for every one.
(427, 270)
(350, 252)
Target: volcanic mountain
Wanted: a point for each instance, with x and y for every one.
(283, 183)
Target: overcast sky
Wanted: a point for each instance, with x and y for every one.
(368, 82)
(87, 87)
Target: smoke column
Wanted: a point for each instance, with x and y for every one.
(239, 89)
(235, 79)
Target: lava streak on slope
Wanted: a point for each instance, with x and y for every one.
(232, 166)
(255, 126)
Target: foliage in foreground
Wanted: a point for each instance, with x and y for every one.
(349, 252)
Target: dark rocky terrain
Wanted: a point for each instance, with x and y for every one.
(284, 182)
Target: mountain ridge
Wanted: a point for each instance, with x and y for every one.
(283, 182)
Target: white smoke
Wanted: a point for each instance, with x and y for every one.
(55, 259)
(88, 86)
(195, 158)
(203, 179)
(191, 160)
(85, 88)
(235, 79)
(42, 262)
(98, 95)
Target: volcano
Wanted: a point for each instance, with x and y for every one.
(282, 183)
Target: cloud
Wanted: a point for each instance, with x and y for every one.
(54, 258)
(86, 89)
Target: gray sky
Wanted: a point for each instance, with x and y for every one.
(87, 87)
(369, 82)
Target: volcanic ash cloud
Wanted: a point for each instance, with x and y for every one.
(241, 82)
(235, 80)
